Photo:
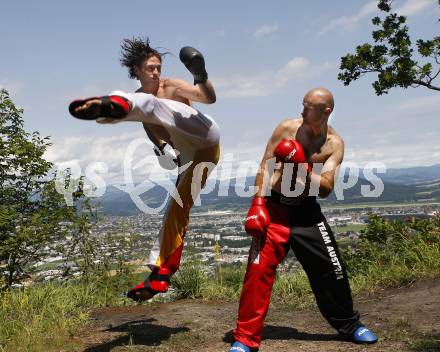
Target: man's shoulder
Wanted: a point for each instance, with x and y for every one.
(290, 123)
(335, 135)
(335, 139)
(170, 88)
(172, 82)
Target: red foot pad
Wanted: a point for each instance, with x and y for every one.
(158, 282)
(113, 106)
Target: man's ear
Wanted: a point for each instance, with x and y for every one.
(327, 111)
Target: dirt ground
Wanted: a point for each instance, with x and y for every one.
(405, 319)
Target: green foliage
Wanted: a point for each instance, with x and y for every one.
(41, 316)
(392, 253)
(429, 343)
(225, 283)
(31, 210)
(389, 253)
(33, 215)
(188, 282)
(49, 314)
(393, 57)
(293, 290)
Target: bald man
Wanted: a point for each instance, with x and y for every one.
(305, 154)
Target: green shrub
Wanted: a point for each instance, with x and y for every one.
(47, 314)
(43, 315)
(188, 282)
(225, 283)
(397, 253)
(389, 253)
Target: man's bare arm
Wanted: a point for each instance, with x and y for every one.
(202, 92)
(263, 176)
(329, 171)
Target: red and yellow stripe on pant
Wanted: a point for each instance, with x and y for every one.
(167, 250)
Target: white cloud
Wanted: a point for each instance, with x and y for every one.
(112, 151)
(244, 86)
(88, 149)
(417, 104)
(348, 22)
(295, 68)
(265, 30)
(404, 133)
(92, 89)
(266, 83)
(408, 8)
(412, 7)
(13, 87)
(401, 154)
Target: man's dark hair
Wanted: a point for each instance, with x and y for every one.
(134, 51)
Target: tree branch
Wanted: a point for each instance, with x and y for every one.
(427, 85)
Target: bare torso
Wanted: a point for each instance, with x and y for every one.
(318, 149)
(168, 89)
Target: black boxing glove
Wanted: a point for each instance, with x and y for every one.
(195, 63)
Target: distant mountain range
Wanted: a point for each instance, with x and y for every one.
(400, 185)
(413, 175)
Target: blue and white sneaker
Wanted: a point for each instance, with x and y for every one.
(239, 347)
(363, 335)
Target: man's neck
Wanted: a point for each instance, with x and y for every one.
(317, 130)
(149, 88)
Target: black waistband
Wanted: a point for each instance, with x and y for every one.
(291, 201)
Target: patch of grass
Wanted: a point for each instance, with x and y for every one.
(189, 281)
(394, 254)
(346, 228)
(41, 316)
(426, 344)
(185, 341)
(226, 283)
(48, 314)
(293, 290)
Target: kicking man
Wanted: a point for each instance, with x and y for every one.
(310, 153)
(164, 106)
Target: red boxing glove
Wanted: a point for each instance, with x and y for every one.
(258, 218)
(290, 151)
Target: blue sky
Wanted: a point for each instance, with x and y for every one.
(261, 57)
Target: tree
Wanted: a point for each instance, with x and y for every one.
(393, 56)
(32, 213)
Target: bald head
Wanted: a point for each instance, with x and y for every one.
(320, 98)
